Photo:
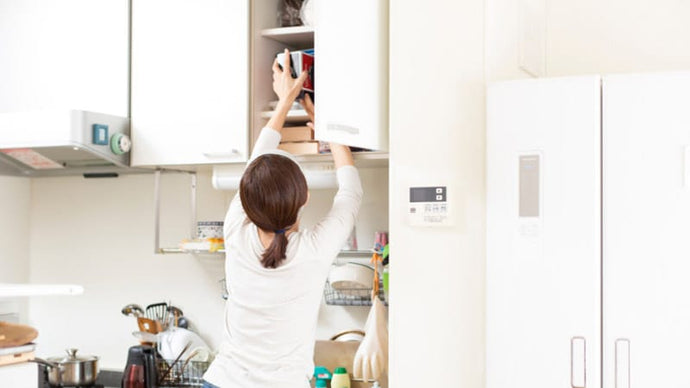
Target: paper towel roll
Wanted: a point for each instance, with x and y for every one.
(320, 176)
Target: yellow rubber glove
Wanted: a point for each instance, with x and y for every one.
(371, 357)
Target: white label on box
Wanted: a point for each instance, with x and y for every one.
(31, 158)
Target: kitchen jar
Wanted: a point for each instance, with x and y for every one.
(209, 229)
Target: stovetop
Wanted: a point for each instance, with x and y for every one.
(106, 379)
(81, 386)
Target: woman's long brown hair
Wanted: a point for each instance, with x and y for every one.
(272, 190)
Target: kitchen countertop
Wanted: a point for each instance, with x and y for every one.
(330, 354)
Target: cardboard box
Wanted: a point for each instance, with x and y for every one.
(302, 133)
(301, 148)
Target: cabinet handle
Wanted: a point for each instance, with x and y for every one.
(578, 362)
(686, 180)
(223, 154)
(622, 360)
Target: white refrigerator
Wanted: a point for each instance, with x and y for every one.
(588, 240)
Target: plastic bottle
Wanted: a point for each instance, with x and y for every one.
(322, 375)
(341, 379)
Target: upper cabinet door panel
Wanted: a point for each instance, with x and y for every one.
(68, 54)
(646, 128)
(190, 81)
(351, 72)
(543, 233)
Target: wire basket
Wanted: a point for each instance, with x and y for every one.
(351, 296)
(182, 374)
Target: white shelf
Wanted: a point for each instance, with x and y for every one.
(293, 116)
(299, 36)
(358, 253)
(8, 290)
(191, 251)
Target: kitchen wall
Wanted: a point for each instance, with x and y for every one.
(592, 36)
(437, 138)
(502, 37)
(14, 240)
(99, 233)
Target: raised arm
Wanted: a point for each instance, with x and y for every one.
(332, 231)
(287, 89)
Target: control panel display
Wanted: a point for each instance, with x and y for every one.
(428, 206)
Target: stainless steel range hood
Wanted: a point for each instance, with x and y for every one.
(64, 142)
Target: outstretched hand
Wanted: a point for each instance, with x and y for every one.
(286, 87)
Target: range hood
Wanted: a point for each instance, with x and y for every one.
(64, 142)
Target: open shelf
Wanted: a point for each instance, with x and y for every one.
(293, 116)
(358, 253)
(298, 36)
(191, 251)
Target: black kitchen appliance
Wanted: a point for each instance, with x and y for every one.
(140, 371)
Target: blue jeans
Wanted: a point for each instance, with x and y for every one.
(209, 385)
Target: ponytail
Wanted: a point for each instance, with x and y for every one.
(275, 253)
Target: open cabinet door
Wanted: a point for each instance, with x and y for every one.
(646, 140)
(543, 233)
(351, 72)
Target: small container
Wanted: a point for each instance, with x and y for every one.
(209, 229)
(341, 379)
(322, 376)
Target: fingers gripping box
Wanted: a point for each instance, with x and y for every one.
(300, 61)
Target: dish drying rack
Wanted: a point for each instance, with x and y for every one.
(188, 374)
(351, 296)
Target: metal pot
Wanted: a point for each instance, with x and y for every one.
(71, 371)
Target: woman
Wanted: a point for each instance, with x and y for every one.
(275, 271)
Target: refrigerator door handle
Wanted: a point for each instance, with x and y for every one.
(622, 360)
(578, 362)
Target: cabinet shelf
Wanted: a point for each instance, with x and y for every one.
(293, 116)
(356, 253)
(191, 251)
(298, 36)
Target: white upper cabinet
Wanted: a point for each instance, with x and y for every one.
(646, 223)
(68, 54)
(543, 233)
(190, 81)
(351, 72)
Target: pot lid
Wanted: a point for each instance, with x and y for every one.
(72, 358)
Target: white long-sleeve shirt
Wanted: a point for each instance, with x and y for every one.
(271, 314)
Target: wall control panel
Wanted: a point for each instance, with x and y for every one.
(429, 206)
